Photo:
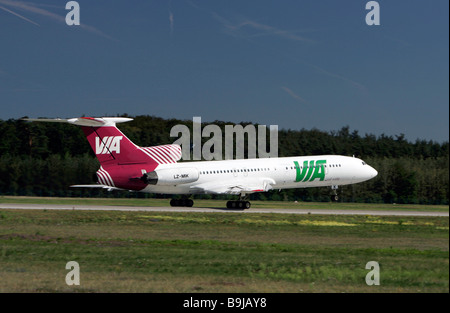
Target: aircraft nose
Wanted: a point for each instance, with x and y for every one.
(372, 172)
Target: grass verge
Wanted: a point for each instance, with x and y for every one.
(219, 252)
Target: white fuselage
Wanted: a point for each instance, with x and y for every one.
(269, 173)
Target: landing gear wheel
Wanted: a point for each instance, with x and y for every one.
(334, 196)
(238, 205)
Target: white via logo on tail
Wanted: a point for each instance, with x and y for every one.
(108, 144)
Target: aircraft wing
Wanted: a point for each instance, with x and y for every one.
(234, 188)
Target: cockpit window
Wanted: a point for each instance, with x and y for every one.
(363, 163)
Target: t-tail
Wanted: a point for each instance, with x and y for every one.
(116, 152)
(110, 145)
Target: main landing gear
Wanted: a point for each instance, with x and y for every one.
(239, 204)
(242, 203)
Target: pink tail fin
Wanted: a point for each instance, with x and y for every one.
(111, 146)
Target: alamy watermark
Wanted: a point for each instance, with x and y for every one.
(73, 16)
(373, 277)
(373, 17)
(213, 148)
(73, 277)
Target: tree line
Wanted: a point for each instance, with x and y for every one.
(44, 159)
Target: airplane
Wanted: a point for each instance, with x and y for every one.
(126, 166)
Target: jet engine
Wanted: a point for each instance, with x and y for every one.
(171, 176)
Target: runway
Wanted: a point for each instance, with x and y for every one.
(223, 210)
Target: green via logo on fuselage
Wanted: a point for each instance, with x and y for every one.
(311, 171)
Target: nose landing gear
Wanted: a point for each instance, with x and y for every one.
(334, 196)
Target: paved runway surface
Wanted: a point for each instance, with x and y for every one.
(209, 210)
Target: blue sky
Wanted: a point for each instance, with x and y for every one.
(295, 64)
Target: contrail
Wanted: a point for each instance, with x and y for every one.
(171, 22)
(18, 15)
(293, 94)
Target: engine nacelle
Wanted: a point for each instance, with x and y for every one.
(171, 176)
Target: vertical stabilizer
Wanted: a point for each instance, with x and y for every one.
(112, 147)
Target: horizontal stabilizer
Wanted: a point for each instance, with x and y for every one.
(84, 121)
(96, 186)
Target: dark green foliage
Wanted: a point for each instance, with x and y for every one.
(43, 159)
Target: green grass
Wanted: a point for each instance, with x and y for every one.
(219, 252)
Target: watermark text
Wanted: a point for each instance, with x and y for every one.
(213, 148)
